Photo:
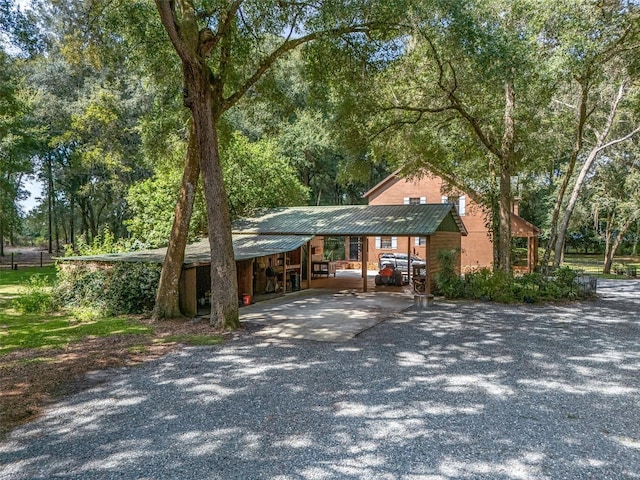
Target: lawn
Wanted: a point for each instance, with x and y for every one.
(19, 330)
(46, 356)
(593, 265)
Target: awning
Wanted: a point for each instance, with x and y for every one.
(245, 246)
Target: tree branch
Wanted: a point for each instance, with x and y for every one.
(457, 104)
(225, 25)
(285, 47)
(167, 11)
(618, 140)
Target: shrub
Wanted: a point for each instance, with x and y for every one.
(487, 285)
(115, 289)
(498, 286)
(35, 297)
(447, 282)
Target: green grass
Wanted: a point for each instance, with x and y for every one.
(10, 278)
(18, 331)
(593, 265)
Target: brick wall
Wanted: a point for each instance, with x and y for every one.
(477, 249)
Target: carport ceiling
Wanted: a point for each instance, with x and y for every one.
(355, 220)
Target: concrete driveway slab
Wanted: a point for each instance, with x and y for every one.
(323, 315)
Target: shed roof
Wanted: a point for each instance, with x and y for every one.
(245, 246)
(355, 220)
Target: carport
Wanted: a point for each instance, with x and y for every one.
(439, 224)
(280, 239)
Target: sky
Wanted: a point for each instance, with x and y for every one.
(34, 187)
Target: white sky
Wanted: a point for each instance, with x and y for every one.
(34, 187)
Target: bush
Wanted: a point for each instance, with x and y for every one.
(115, 289)
(36, 297)
(447, 282)
(488, 285)
(498, 286)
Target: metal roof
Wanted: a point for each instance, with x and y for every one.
(355, 220)
(284, 229)
(245, 246)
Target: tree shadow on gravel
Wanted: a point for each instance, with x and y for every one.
(461, 390)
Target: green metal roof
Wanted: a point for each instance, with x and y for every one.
(355, 220)
(285, 229)
(244, 248)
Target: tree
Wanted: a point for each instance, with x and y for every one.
(224, 51)
(464, 99)
(593, 46)
(16, 144)
(616, 200)
(286, 106)
(257, 175)
(90, 104)
(603, 141)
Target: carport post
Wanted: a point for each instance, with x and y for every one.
(365, 261)
(409, 259)
(427, 269)
(308, 264)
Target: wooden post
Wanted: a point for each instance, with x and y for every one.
(365, 261)
(409, 259)
(309, 264)
(347, 248)
(187, 292)
(429, 266)
(284, 272)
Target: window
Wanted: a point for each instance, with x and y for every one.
(386, 243)
(460, 203)
(421, 241)
(415, 200)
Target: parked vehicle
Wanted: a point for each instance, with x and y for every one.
(389, 275)
(399, 261)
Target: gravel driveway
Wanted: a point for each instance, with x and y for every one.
(460, 391)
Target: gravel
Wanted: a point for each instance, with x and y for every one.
(458, 391)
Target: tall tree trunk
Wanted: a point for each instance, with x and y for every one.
(577, 148)
(72, 223)
(586, 167)
(506, 168)
(224, 289)
(607, 241)
(167, 297)
(50, 203)
(193, 46)
(610, 255)
(571, 205)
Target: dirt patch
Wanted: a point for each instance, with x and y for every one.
(33, 378)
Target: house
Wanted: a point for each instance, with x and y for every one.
(477, 247)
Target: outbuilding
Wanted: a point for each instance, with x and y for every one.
(280, 249)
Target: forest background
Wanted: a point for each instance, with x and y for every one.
(317, 102)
